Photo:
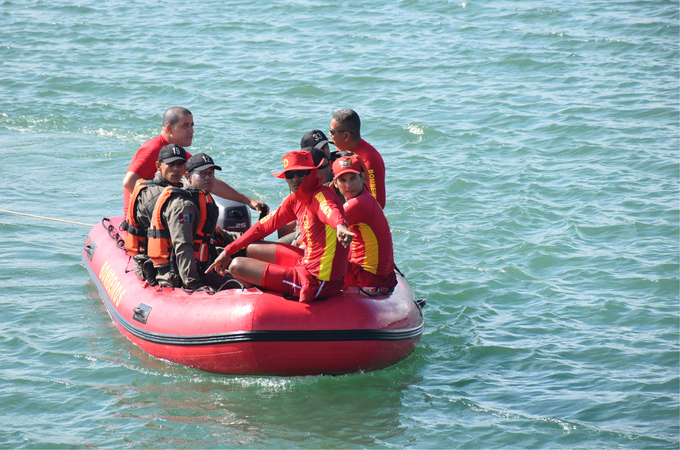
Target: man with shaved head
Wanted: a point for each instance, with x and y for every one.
(178, 129)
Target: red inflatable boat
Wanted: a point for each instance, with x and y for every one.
(251, 332)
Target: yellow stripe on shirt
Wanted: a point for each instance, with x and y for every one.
(328, 254)
(371, 251)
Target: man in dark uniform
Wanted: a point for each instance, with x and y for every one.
(170, 167)
(200, 174)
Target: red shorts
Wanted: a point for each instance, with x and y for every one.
(357, 276)
(288, 255)
(291, 279)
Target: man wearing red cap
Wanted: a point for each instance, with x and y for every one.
(371, 258)
(318, 270)
(345, 131)
(178, 129)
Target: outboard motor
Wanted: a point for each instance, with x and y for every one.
(234, 216)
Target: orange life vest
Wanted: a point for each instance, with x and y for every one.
(159, 246)
(135, 237)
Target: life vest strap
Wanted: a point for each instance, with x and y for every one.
(158, 234)
(125, 226)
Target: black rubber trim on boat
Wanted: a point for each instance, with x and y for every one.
(257, 336)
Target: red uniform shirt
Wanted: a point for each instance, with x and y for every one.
(319, 215)
(371, 248)
(144, 163)
(375, 178)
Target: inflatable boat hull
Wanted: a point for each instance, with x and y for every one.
(251, 332)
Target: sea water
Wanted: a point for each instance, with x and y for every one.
(532, 154)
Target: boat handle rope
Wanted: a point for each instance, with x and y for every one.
(241, 285)
(379, 290)
(120, 243)
(421, 302)
(211, 292)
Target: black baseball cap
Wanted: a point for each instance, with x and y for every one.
(314, 138)
(318, 156)
(199, 162)
(172, 152)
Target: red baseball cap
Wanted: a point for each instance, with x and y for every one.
(346, 164)
(297, 160)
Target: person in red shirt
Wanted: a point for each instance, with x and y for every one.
(178, 129)
(345, 131)
(313, 272)
(371, 257)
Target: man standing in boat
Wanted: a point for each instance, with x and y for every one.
(345, 131)
(178, 129)
(371, 258)
(318, 270)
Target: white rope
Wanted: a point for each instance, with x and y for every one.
(46, 218)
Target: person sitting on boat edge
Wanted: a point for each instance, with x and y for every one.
(312, 273)
(345, 131)
(177, 128)
(169, 170)
(290, 233)
(371, 257)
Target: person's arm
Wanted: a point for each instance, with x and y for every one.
(143, 161)
(353, 211)
(130, 180)
(181, 217)
(376, 178)
(286, 229)
(264, 227)
(331, 213)
(380, 184)
(222, 189)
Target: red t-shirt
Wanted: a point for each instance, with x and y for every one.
(144, 163)
(375, 178)
(371, 248)
(324, 257)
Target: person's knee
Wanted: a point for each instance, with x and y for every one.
(250, 250)
(262, 251)
(236, 267)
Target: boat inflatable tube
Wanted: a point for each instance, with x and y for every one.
(250, 331)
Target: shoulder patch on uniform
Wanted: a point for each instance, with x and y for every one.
(185, 218)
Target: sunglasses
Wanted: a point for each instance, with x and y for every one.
(300, 174)
(332, 131)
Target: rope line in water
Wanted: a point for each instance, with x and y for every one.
(46, 218)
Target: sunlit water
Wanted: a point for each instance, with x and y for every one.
(532, 158)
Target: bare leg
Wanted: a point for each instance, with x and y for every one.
(250, 271)
(264, 251)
